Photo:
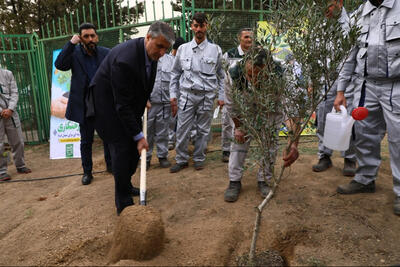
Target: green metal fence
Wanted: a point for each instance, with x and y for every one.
(29, 56)
(21, 55)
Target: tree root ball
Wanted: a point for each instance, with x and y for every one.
(139, 234)
(263, 258)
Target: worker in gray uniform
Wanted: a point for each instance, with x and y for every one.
(160, 113)
(245, 37)
(324, 153)
(242, 76)
(173, 119)
(10, 125)
(374, 68)
(199, 63)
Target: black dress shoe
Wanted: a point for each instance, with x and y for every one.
(120, 210)
(109, 169)
(135, 191)
(87, 178)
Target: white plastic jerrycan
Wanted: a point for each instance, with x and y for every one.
(338, 126)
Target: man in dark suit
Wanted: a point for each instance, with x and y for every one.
(82, 56)
(120, 90)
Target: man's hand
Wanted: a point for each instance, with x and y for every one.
(292, 156)
(221, 103)
(6, 113)
(75, 39)
(334, 8)
(240, 136)
(339, 100)
(174, 106)
(142, 144)
(59, 107)
(148, 105)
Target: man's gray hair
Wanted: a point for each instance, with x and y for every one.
(161, 28)
(247, 29)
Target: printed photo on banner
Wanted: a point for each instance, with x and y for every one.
(64, 134)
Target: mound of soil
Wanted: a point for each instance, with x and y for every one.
(138, 235)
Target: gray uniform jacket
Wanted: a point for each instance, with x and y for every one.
(200, 67)
(160, 93)
(8, 91)
(377, 54)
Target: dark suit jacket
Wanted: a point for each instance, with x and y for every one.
(72, 58)
(120, 90)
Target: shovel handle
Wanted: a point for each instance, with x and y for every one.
(143, 189)
(143, 177)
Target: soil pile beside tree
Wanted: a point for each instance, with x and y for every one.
(138, 235)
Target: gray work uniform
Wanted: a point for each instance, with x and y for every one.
(226, 121)
(238, 151)
(326, 106)
(11, 126)
(200, 66)
(159, 115)
(173, 121)
(172, 130)
(374, 70)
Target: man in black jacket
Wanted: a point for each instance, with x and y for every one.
(121, 89)
(82, 56)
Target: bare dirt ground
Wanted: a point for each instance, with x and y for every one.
(61, 222)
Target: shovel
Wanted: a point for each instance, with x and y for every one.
(143, 193)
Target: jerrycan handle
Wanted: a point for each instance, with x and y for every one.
(343, 111)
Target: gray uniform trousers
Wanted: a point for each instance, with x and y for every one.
(382, 99)
(172, 130)
(323, 109)
(15, 139)
(193, 132)
(195, 107)
(237, 158)
(158, 119)
(227, 130)
(238, 155)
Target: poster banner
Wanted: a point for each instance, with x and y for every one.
(282, 49)
(64, 134)
(264, 32)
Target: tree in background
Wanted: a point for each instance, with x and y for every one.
(21, 16)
